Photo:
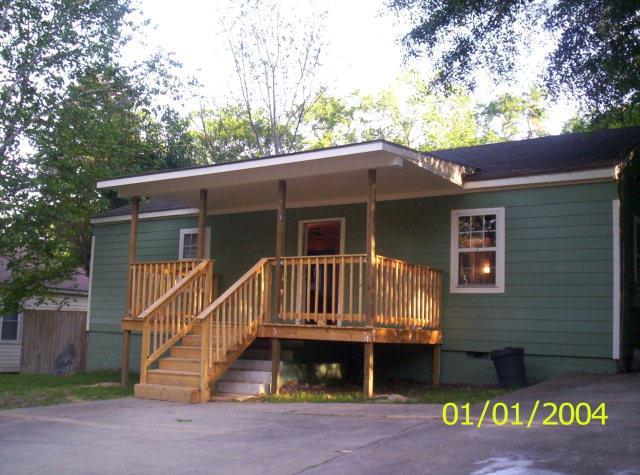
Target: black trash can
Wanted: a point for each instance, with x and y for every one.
(509, 364)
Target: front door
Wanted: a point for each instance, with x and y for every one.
(322, 238)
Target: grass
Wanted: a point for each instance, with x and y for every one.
(414, 393)
(27, 390)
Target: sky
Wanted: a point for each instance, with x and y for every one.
(362, 49)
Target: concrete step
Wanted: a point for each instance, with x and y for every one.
(174, 378)
(232, 387)
(246, 376)
(163, 392)
(183, 351)
(180, 364)
(261, 354)
(252, 365)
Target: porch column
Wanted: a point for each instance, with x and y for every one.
(280, 229)
(202, 224)
(133, 248)
(367, 390)
(370, 303)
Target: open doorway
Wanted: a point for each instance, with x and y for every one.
(321, 238)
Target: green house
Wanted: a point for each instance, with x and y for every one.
(371, 259)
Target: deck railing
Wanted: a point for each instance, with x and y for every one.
(171, 316)
(323, 289)
(407, 295)
(148, 281)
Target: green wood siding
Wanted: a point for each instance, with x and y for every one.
(558, 283)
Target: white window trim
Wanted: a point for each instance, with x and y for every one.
(498, 288)
(19, 335)
(302, 235)
(207, 242)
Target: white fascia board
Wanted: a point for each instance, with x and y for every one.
(152, 214)
(600, 174)
(244, 165)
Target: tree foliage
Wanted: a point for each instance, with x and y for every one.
(595, 45)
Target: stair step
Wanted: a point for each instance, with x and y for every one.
(260, 354)
(163, 392)
(253, 365)
(246, 376)
(183, 351)
(232, 387)
(174, 378)
(180, 364)
(192, 340)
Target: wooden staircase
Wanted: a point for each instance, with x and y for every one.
(186, 350)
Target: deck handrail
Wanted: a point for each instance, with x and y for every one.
(233, 319)
(171, 316)
(407, 295)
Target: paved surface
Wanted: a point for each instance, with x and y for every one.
(139, 436)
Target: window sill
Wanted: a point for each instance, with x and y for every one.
(477, 290)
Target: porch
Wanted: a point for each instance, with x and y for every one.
(360, 297)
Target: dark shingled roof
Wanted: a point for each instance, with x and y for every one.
(552, 154)
(145, 207)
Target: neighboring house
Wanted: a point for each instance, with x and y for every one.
(509, 244)
(31, 339)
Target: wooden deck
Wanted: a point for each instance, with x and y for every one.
(323, 298)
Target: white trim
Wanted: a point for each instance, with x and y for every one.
(616, 281)
(207, 242)
(149, 215)
(454, 288)
(18, 339)
(93, 251)
(449, 170)
(534, 181)
(301, 234)
(600, 174)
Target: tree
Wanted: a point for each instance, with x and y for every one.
(594, 44)
(45, 45)
(92, 136)
(513, 113)
(275, 58)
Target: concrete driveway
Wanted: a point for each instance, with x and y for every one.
(139, 436)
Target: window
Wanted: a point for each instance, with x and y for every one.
(10, 327)
(189, 244)
(477, 250)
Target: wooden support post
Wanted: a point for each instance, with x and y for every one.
(280, 233)
(435, 379)
(276, 345)
(133, 250)
(367, 389)
(202, 224)
(126, 348)
(370, 296)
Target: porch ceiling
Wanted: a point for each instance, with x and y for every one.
(332, 175)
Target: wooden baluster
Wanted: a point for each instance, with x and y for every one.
(334, 303)
(324, 290)
(360, 288)
(351, 272)
(316, 289)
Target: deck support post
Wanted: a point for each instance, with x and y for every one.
(437, 350)
(370, 297)
(202, 224)
(367, 389)
(276, 346)
(133, 250)
(280, 234)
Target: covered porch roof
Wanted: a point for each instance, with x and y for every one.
(331, 175)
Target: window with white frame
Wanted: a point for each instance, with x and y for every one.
(477, 250)
(10, 327)
(189, 244)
